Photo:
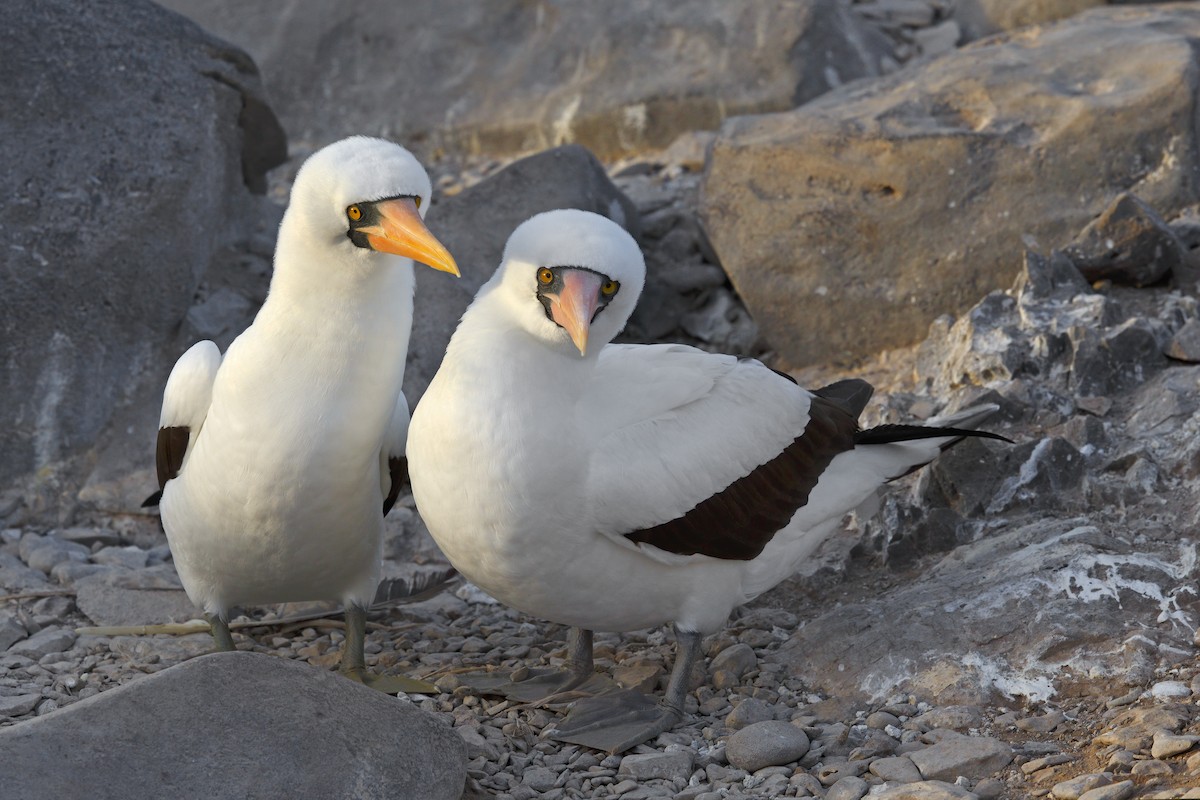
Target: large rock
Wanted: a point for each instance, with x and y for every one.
(475, 225)
(516, 76)
(235, 725)
(128, 143)
(979, 18)
(901, 199)
(1038, 589)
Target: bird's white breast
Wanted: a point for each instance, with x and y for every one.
(280, 499)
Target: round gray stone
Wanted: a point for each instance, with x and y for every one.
(766, 744)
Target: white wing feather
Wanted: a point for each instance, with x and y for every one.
(188, 395)
(676, 425)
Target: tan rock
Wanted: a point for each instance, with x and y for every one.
(901, 199)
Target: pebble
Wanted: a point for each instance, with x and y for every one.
(1042, 724)
(1170, 744)
(17, 705)
(899, 769)
(850, 787)
(925, 790)
(974, 757)
(648, 766)
(130, 557)
(1116, 791)
(958, 718)
(749, 712)
(1151, 766)
(1170, 690)
(44, 642)
(766, 744)
(11, 631)
(1073, 788)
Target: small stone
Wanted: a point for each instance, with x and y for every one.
(766, 744)
(938, 39)
(958, 718)
(990, 789)
(880, 720)
(737, 659)
(954, 755)
(90, 536)
(1170, 690)
(1185, 343)
(540, 779)
(898, 769)
(131, 557)
(11, 631)
(850, 787)
(1170, 744)
(1117, 791)
(926, 790)
(831, 773)
(650, 766)
(43, 552)
(1073, 788)
(641, 675)
(749, 712)
(1152, 766)
(1036, 764)
(18, 705)
(1042, 724)
(44, 642)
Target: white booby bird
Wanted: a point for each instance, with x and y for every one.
(619, 487)
(278, 462)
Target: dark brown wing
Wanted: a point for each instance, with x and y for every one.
(168, 458)
(398, 468)
(738, 522)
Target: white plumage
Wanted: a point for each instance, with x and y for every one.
(541, 453)
(279, 495)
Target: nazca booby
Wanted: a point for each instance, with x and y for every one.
(278, 462)
(619, 487)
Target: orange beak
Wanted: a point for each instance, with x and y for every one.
(574, 307)
(402, 232)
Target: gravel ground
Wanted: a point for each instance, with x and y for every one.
(752, 729)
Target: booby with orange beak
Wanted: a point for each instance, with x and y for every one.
(620, 487)
(278, 461)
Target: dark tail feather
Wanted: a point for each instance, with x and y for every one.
(152, 500)
(888, 434)
(851, 395)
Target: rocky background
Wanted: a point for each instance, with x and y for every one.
(962, 201)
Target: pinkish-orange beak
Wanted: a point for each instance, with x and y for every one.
(402, 232)
(574, 307)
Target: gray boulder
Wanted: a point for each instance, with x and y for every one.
(979, 18)
(475, 224)
(235, 725)
(513, 76)
(129, 143)
(901, 199)
(1062, 548)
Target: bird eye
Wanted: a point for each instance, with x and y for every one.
(545, 276)
(609, 288)
(417, 200)
(354, 213)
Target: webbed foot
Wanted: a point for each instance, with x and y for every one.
(615, 722)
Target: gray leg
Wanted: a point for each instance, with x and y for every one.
(354, 660)
(687, 651)
(220, 633)
(579, 654)
(622, 720)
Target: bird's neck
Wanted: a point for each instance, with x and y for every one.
(491, 347)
